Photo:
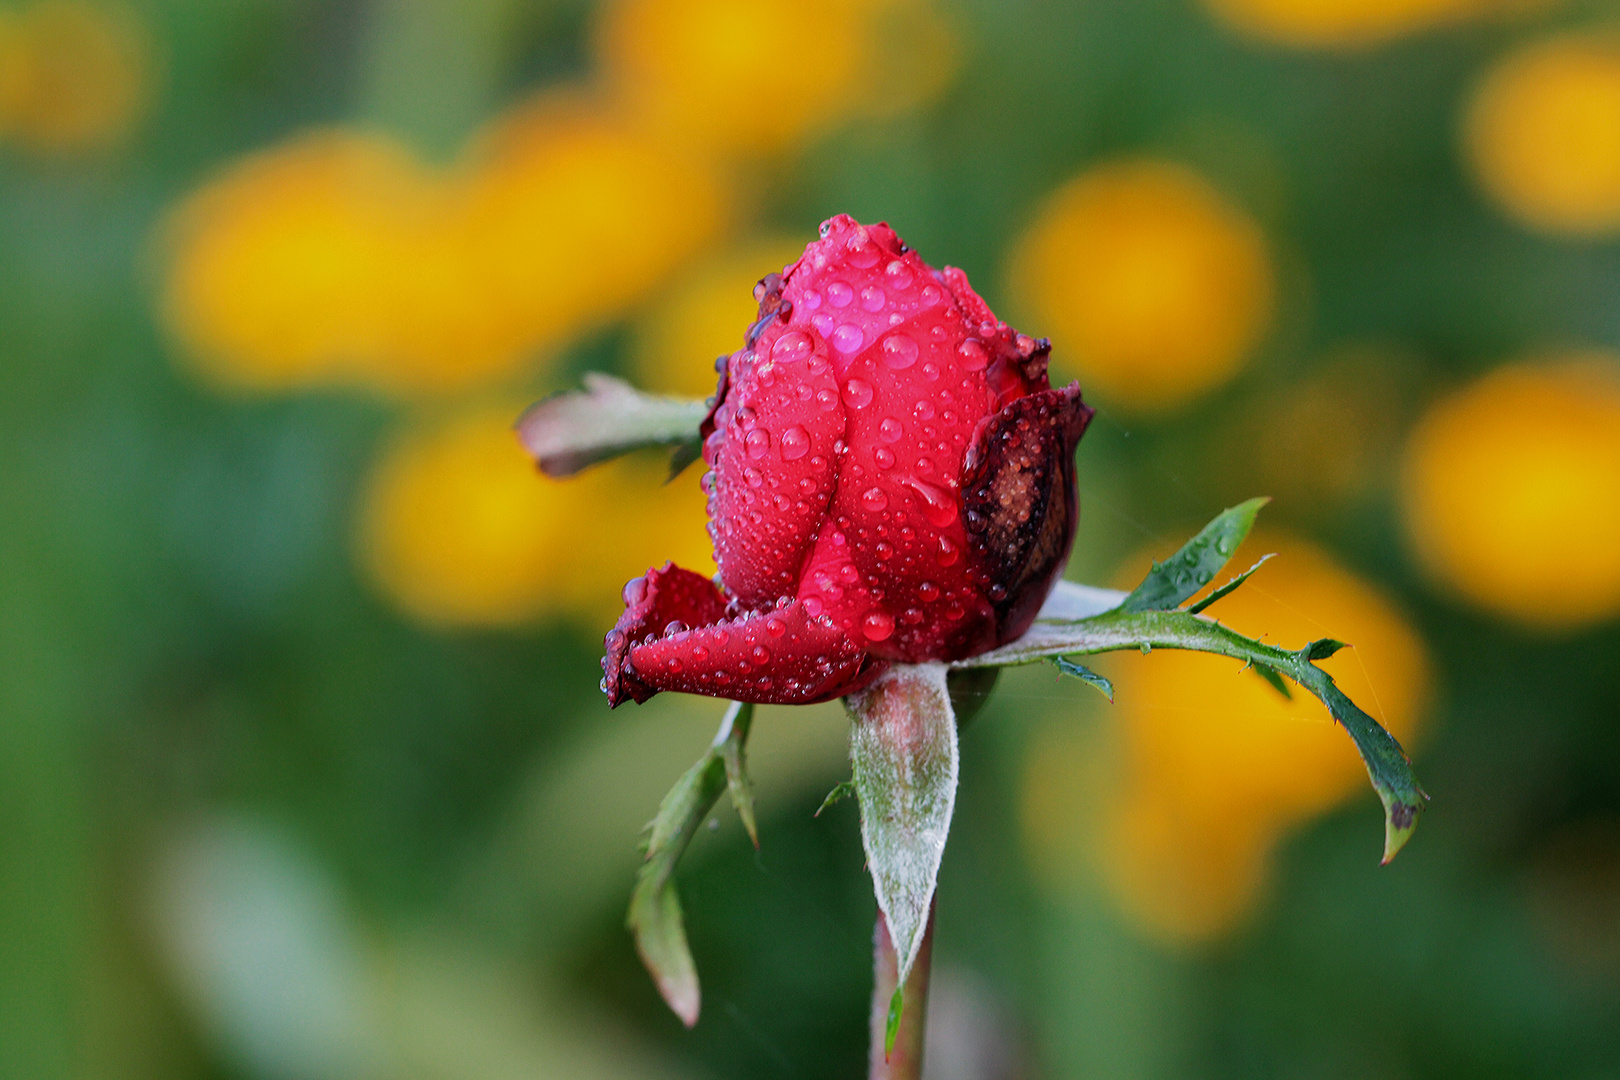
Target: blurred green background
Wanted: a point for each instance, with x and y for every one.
(303, 769)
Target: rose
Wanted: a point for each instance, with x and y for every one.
(891, 479)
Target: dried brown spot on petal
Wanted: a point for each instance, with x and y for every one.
(1018, 497)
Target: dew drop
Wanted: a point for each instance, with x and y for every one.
(795, 443)
(931, 295)
(793, 345)
(878, 625)
(839, 294)
(884, 457)
(898, 274)
(813, 606)
(872, 298)
(973, 355)
(758, 443)
(874, 499)
(862, 254)
(760, 655)
(947, 553)
(938, 507)
(848, 338)
(925, 410)
(858, 392)
(811, 300)
(775, 627)
(823, 323)
(900, 351)
(890, 429)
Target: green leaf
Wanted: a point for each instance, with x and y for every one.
(654, 917)
(841, 791)
(570, 431)
(1080, 671)
(903, 746)
(1322, 649)
(1270, 675)
(1387, 764)
(1196, 564)
(1226, 589)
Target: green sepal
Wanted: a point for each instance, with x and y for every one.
(571, 431)
(1176, 579)
(903, 747)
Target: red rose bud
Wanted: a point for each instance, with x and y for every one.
(891, 479)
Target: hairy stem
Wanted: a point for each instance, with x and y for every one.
(904, 1061)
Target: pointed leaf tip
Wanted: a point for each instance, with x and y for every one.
(1322, 649)
(1183, 574)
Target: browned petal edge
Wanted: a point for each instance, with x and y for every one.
(1019, 504)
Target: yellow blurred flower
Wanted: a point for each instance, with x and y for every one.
(74, 77)
(1153, 288)
(735, 76)
(1352, 23)
(1213, 766)
(458, 528)
(1543, 135)
(1511, 491)
(703, 314)
(338, 258)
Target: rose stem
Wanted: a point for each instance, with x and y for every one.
(905, 1063)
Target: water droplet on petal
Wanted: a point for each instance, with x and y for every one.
(948, 553)
(874, 499)
(899, 275)
(775, 627)
(884, 457)
(858, 392)
(823, 323)
(878, 625)
(890, 430)
(848, 338)
(973, 355)
(839, 294)
(872, 298)
(795, 443)
(938, 505)
(758, 443)
(793, 345)
(899, 351)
